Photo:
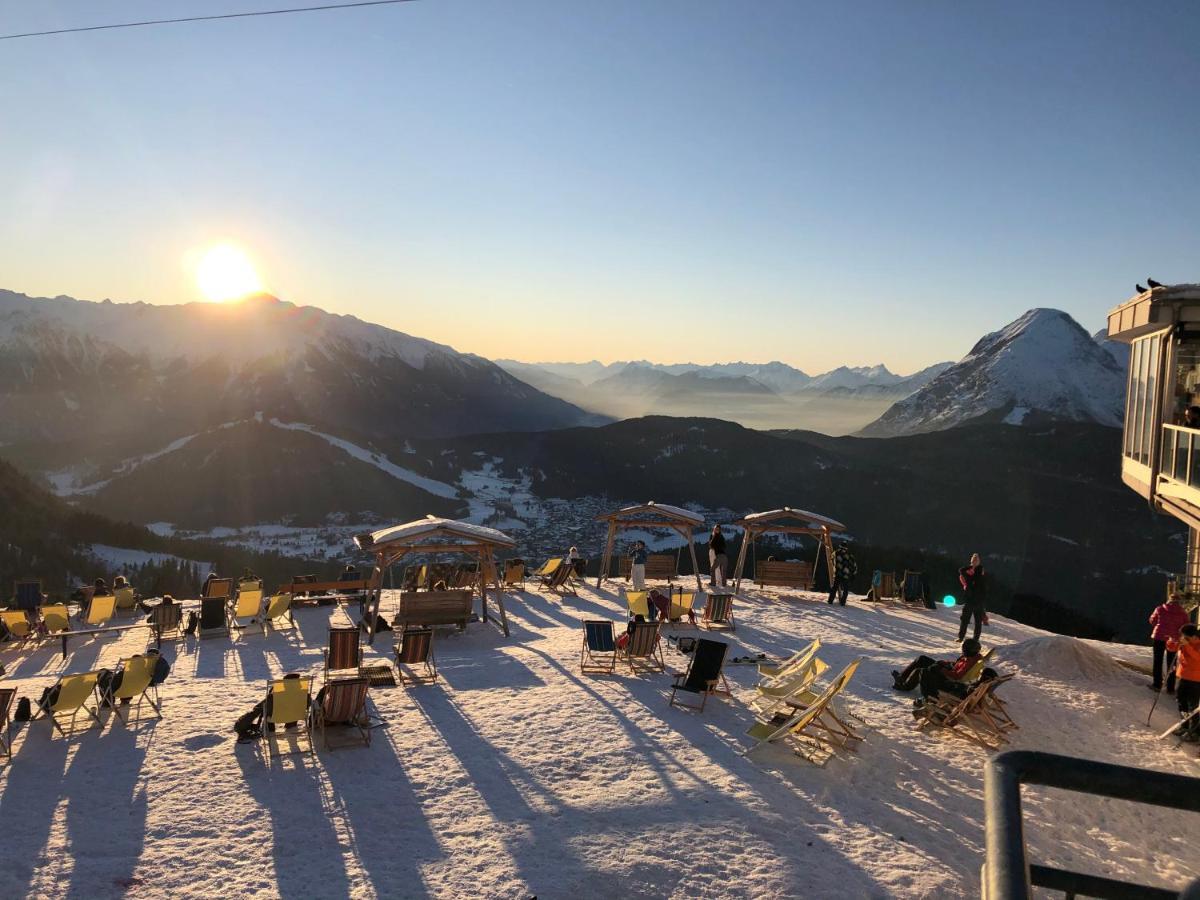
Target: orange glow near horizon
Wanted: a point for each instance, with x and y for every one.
(225, 272)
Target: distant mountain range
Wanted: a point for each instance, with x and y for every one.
(1041, 367)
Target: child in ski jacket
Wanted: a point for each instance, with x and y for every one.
(1187, 668)
(1167, 619)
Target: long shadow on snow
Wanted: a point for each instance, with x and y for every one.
(32, 790)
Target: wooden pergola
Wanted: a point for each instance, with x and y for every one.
(683, 522)
(432, 535)
(786, 521)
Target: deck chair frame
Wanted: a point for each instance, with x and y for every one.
(144, 695)
(238, 608)
(644, 648)
(303, 722)
(349, 643)
(716, 685)
(424, 637)
(93, 712)
(598, 660)
(560, 581)
(218, 604)
(360, 723)
(718, 613)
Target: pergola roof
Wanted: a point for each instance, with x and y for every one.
(675, 514)
(411, 534)
(787, 517)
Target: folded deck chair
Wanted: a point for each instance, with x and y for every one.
(415, 648)
(704, 673)
(278, 607)
(73, 694)
(288, 703)
(165, 619)
(214, 616)
(27, 594)
(639, 604)
(247, 608)
(125, 598)
(7, 695)
(772, 671)
(718, 612)
(55, 619)
(681, 606)
(643, 648)
(813, 723)
(17, 623)
(345, 651)
(599, 653)
(137, 673)
(342, 703)
(100, 610)
(514, 573)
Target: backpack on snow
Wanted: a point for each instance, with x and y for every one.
(249, 726)
(24, 710)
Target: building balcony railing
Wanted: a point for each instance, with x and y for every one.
(1181, 455)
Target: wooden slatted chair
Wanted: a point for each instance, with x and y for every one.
(166, 618)
(718, 612)
(966, 715)
(704, 673)
(342, 703)
(811, 724)
(643, 649)
(514, 573)
(598, 655)
(344, 653)
(415, 648)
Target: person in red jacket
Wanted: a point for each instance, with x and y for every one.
(1167, 619)
(933, 675)
(1187, 694)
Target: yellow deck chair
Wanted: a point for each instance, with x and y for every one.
(278, 606)
(100, 610)
(773, 697)
(799, 659)
(681, 606)
(55, 618)
(73, 694)
(247, 606)
(973, 674)
(135, 685)
(815, 722)
(547, 568)
(290, 701)
(17, 624)
(639, 603)
(125, 598)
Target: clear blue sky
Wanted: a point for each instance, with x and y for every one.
(814, 182)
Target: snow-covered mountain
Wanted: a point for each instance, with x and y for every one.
(1041, 366)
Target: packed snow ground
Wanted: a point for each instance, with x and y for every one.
(515, 776)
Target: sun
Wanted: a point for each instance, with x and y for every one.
(225, 272)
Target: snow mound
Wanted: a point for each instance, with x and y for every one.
(1062, 659)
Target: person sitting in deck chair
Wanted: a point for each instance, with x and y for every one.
(623, 640)
(100, 588)
(249, 726)
(350, 574)
(933, 675)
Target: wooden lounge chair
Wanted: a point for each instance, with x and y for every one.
(599, 653)
(883, 587)
(560, 581)
(514, 573)
(830, 718)
(812, 724)
(704, 673)
(100, 610)
(771, 671)
(342, 703)
(7, 695)
(73, 694)
(247, 608)
(974, 673)
(137, 673)
(214, 618)
(967, 716)
(681, 606)
(17, 623)
(278, 607)
(27, 594)
(289, 704)
(914, 590)
(55, 619)
(165, 619)
(415, 648)
(639, 604)
(125, 599)
(718, 612)
(643, 649)
(345, 650)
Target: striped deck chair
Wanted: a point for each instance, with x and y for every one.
(278, 606)
(125, 598)
(643, 649)
(342, 703)
(414, 647)
(136, 674)
(770, 672)
(547, 569)
(55, 619)
(514, 573)
(599, 653)
(247, 606)
(344, 653)
(7, 695)
(214, 618)
(17, 623)
(639, 604)
(287, 703)
(704, 673)
(681, 605)
(100, 610)
(165, 619)
(718, 612)
(560, 581)
(73, 692)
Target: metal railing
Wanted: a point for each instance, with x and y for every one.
(1008, 875)
(1180, 460)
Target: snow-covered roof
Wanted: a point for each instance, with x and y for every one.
(671, 512)
(814, 520)
(409, 532)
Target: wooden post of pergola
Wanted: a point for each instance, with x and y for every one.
(786, 521)
(432, 535)
(683, 522)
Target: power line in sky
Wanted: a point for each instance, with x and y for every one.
(242, 15)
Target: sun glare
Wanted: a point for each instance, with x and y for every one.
(225, 272)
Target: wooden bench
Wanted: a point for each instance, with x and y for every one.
(659, 566)
(434, 608)
(785, 574)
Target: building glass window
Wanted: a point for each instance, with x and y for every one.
(1135, 355)
(1185, 392)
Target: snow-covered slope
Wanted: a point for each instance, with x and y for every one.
(516, 776)
(1041, 366)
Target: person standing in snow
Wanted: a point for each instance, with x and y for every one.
(1167, 619)
(637, 568)
(1187, 692)
(717, 560)
(845, 567)
(973, 579)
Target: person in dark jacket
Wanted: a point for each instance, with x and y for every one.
(933, 675)
(718, 562)
(845, 567)
(973, 579)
